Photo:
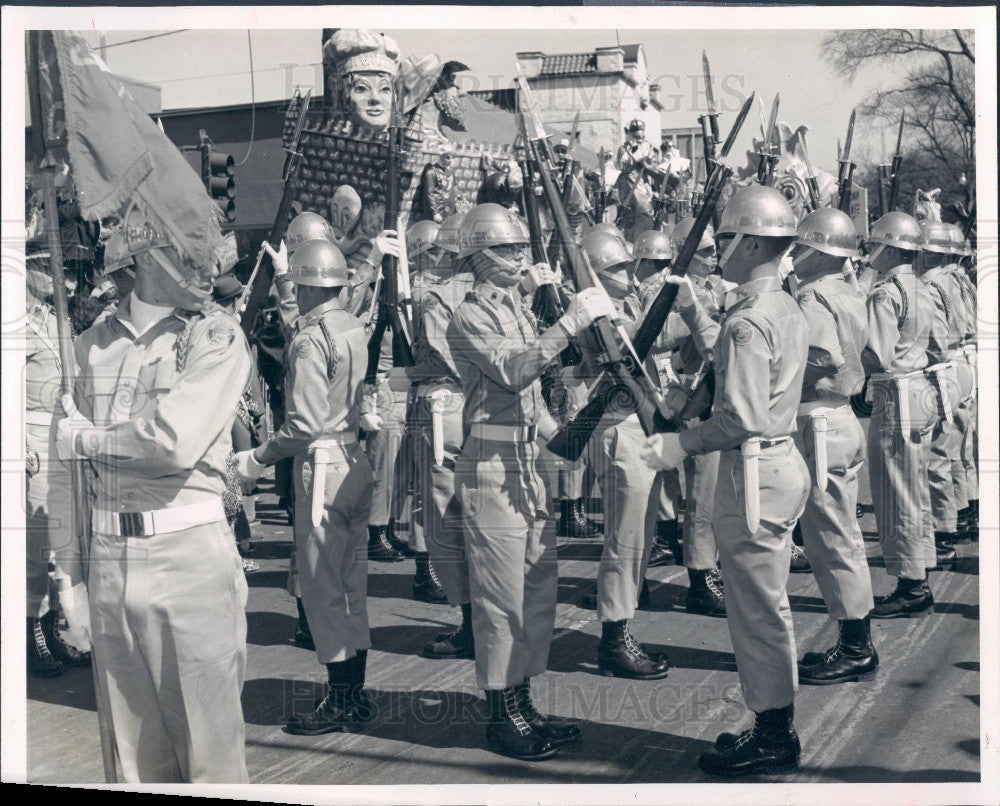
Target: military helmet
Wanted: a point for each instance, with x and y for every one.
(959, 243)
(447, 237)
(830, 231)
(487, 225)
(636, 125)
(604, 250)
(609, 228)
(758, 210)
(936, 237)
(421, 237)
(318, 262)
(897, 229)
(653, 245)
(681, 230)
(306, 227)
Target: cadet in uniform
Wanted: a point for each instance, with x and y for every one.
(760, 360)
(904, 413)
(944, 348)
(509, 540)
(438, 415)
(833, 443)
(693, 340)
(328, 358)
(157, 392)
(630, 490)
(47, 497)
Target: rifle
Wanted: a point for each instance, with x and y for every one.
(257, 287)
(569, 442)
(882, 174)
(602, 196)
(616, 353)
(393, 302)
(897, 163)
(845, 178)
(710, 121)
(79, 514)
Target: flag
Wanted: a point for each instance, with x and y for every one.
(116, 152)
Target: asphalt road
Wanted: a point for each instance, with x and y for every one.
(918, 721)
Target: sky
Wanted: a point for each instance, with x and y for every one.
(212, 67)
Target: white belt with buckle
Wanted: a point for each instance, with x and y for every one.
(38, 417)
(320, 450)
(157, 521)
(503, 433)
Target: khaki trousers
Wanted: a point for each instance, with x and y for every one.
(830, 531)
(384, 454)
(511, 548)
(169, 633)
(755, 571)
(332, 558)
(701, 473)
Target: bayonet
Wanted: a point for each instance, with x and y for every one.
(811, 182)
(767, 155)
(897, 163)
(845, 178)
(850, 136)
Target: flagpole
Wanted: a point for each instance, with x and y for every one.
(67, 361)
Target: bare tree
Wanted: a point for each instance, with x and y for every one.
(937, 95)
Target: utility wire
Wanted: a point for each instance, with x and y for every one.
(253, 103)
(146, 38)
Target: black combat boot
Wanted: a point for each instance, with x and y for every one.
(771, 745)
(573, 520)
(799, 563)
(402, 546)
(559, 732)
(509, 733)
(426, 585)
(912, 597)
(705, 596)
(618, 655)
(65, 653)
(41, 662)
(457, 644)
(854, 657)
(331, 713)
(944, 553)
(303, 635)
(359, 703)
(667, 548)
(379, 548)
(962, 527)
(972, 529)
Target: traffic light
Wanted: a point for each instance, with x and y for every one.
(217, 171)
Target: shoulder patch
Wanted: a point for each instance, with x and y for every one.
(304, 348)
(880, 294)
(429, 301)
(742, 332)
(221, 333)
(807, 297)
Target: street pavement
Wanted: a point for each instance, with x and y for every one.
(917, 721)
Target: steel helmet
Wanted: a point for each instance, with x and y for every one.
(487, 225)
(318, 262)
(306, 227)
(610, 229)
(636, 125)
(421, 237)
(681, 230)
(936, 237)
(959, 244)
(897, 229)
(830, 231)
(758, 210)
(653, 245)
(604, 250)
(447, 237)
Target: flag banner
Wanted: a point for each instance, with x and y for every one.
(117, 153)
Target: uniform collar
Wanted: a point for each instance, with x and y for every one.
(820, 277)
(903, 268)
(493, 293)
(316, 313)
(751, 289)
(123, 313)
(937, 271)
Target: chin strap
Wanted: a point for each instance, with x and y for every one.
(171, 270)
(724, 257)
